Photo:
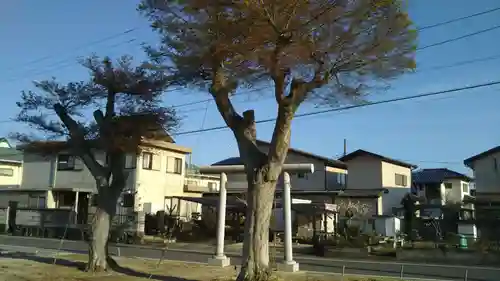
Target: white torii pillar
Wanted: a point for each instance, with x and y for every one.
(220, 259)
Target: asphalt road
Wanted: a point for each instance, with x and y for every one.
(412, 271)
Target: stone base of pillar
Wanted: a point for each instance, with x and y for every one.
(219, 261)
(288, 266)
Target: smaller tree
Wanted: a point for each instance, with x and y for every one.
(353, 210)
(409, 209)
(126, 105)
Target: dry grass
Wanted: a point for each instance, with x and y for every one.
(69, 268)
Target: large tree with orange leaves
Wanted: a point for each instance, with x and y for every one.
(338, 50)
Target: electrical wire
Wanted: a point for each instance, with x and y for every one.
(62, 64)
(425, 27)
(459, 38)
(453, 90)
(460, 63)
(128, 31)
(104, 39)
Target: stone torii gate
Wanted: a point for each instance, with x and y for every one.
(220, 259)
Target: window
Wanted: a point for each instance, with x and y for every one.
(6, 172)
(65, 199)
(36, 201)
(302, 176)
(212, 186)
(178, 166)
(128, 200)
(66, 162)
(130, 161)
(93, 200)
(465, 188)
(341, 178)
(147, 161)
(174, 165)
(448, 185)
(401, 180)
(172, 206)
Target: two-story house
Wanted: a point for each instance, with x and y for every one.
(60, 179)
(11, 169)
(371, 171)
(326, 185)
(329, 174)
(436, 188)
(441, 186)
(486, 169)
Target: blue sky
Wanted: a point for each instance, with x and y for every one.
(42, 39)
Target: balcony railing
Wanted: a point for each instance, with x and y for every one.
(201, 183)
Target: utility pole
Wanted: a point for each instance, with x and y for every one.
(345, 147)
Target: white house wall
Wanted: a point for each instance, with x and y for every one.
(309, 182)
(81, 180)
(364, 173)
(389, 172)
(486, 176)
(37, 172)
(392, 199)
(17, 174)
(21, 197)
(152, 186)
(149, 186)
(456, 193)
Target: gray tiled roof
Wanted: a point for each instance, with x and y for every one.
(436, 176)
(11, 154)
(361, 152)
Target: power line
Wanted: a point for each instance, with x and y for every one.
(476, 86)
(419, 71)
(63, 63)
(436, 162)
(180, 112)
(425, 27)
(128, 31)
(459, 38)
(242, 94)
(264, 88)
(462, 63)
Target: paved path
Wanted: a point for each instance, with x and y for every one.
(414, 271)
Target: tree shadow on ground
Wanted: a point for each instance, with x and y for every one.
(81, 266)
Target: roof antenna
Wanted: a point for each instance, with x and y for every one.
(345, 147)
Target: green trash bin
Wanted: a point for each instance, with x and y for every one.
(462, 242)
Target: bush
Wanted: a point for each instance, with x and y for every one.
(353, 230)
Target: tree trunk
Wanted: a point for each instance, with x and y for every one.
(99, 259)
(255, 261)
(99, 241)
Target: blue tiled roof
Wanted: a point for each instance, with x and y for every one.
(262, 144)
(229, 161)
(436, 176)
